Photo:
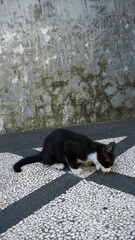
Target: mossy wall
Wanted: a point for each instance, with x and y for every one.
(66, 62)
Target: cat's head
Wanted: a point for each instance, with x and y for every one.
(106, 157)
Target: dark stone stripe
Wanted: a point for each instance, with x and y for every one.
(124, 145)
(114, 180)
(35, 200)
(26, 206)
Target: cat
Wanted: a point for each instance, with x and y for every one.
(64, 147)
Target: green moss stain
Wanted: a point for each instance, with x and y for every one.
(102, 62)
(77, 70)
(97, 107)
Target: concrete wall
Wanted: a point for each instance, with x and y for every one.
(66, 62)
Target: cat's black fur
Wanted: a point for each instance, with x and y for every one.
(64, 146)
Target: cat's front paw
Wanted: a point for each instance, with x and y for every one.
(106, 170)
(77, 171)
(98, 167)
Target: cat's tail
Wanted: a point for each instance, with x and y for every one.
(27, 160)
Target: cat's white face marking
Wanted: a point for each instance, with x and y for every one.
(58, 166)
(93, 158)
(77, 171)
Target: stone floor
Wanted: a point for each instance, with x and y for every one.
(45, 203)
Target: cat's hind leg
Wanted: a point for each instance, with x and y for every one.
(59, 166)
(49, 160)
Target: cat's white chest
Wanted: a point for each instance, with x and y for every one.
(92, 157)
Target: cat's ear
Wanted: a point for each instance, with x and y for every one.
(112, 144)
(109, 147)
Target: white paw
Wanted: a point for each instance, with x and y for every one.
(78, 171)
(58, 166)
(98, 167)
(108, 170)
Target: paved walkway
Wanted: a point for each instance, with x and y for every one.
(44, 203)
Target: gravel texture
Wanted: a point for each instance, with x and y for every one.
(17, 185)
(125, 163)
(86, 211)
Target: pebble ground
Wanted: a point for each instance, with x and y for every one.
(86, 211)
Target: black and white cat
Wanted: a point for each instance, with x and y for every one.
(63, 147)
